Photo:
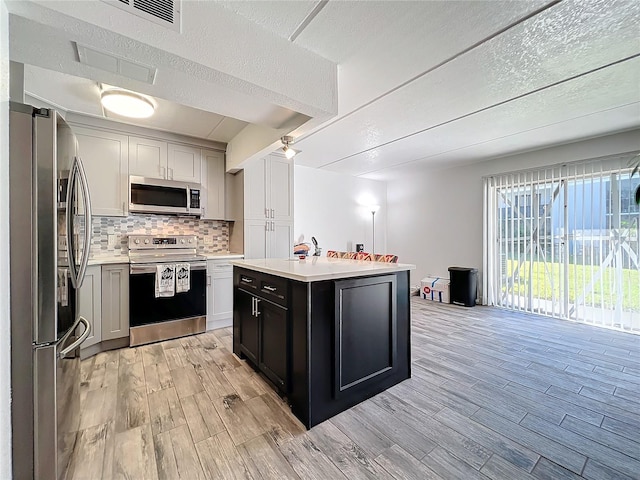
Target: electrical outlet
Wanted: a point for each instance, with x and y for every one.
(113, 240)
(62, 242)
(208, 240)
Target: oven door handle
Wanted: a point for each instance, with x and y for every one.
(139, 268)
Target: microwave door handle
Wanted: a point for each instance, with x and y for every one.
(88, 218)
(71, 248)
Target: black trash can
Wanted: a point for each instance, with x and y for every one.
(463, 286)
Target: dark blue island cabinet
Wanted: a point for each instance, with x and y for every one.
(326, 341)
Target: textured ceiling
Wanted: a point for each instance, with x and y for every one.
(384, 85)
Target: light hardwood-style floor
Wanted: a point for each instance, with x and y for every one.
(493, 394)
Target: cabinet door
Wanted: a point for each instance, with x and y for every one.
(280, 188)
(213, 184)
(248, 325)
(273, 343)
(219, 294)
(255, 193)
(183, 163)
(90, 304)
(280, 239)
(115, 301)
(105, 157)
(147, 158)
(255, 238)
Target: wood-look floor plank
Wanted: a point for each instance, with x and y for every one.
(369, 438)
(620, 428)
(157, 376)
(448, 466)
(220, 458)
(187, 460)
(280, 426)
(597, 471)
(131, 375)
(237, 418)
(551, 449)
(352, 461)
(402, 465)
(134, 455)
(88, 456)
(98, 407)
(308, 461)
(165, 458)
(152, 354)
(186, 381)
(509, 450)
(165, 411)
(176, 357)
(130, 355)
(245, 382)
(264, 460)
(594, 450)
(109, 449)
(132, 409)
(609, 439)
(547, 470)
(214, 381)
(195, 420)
(499, 469)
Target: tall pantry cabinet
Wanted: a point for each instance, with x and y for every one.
(268, 208)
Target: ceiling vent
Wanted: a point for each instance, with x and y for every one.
(162, 12)
(114, 64)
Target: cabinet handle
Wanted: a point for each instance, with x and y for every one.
(266, 226)
(272, 213)
(270, 288)
(171, 172)
(257, 301)
(266, 213)
(246, 280)
(208, 279)
(253, 306)
(163, 172)
(273, 226)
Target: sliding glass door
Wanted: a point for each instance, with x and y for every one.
(563, 241)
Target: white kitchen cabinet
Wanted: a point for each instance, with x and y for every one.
(268, 239)
(147, 157)
(105, 156)
(89, 302)
(219, 294)
(213, 185)
(115, 301)
(269, 189)
(268, 214)
(167, 161)
(183, 163)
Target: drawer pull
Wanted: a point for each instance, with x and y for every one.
(271, 289)
(246, 280)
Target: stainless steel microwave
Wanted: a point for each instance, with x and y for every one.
(153, 195)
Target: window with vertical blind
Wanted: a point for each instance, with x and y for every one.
(563, 241)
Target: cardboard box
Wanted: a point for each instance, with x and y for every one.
(435, 289)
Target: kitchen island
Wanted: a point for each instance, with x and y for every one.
(327, 332)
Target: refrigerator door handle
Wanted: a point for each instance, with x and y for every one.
(81, 338)
(88, 218)
(71, 247)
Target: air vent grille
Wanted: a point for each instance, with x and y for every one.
(162, 12)
(158, 8)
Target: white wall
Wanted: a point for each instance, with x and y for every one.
(329, 206)
(5, 339)
(435, 217)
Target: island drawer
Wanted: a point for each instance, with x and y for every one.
(248, 280)
(274, 289)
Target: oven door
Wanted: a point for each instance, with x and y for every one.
(145, 308)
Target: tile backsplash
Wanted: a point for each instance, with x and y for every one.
(109, 236)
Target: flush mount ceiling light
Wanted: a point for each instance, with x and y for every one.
(288, 151)
(126, 103)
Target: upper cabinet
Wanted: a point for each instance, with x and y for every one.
(147, 158)
(213, 185)
(268, 186)
(105, 157)
(158, 159)
(183, 163)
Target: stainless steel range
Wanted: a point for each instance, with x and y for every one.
(156, 316)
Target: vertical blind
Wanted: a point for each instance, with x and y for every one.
(563, 241)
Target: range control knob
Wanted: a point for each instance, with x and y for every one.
(191, 240)
(146, 241)
(137, 241)
(182, 240)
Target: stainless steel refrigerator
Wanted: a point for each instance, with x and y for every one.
(50, 227)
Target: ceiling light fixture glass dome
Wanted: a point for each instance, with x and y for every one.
(127, 104)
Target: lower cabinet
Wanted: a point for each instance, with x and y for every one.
(219, 294)
(103, 300)
(115, 301)
(90, 304)
(264, 333)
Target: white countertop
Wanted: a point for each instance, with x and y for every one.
(314, 269)
(108, 259)
(223, 256)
